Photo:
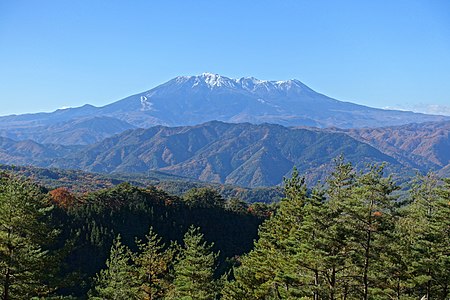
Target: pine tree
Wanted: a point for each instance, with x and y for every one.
(369, 218)
(25, 264)
(204, 197)
(271, 270)
(118, 281)
(443, 253)
(324, 244)
(152, 265)
(194, 269)
(427, 227)
(305, 245)
(333, 233)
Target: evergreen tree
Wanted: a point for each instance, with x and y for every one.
(25, 234)
(204, 197)
(118, 281)
(305, 245)
(270, 270)
(443, 246)
(236, 205)
(152, 265)
(369, 216)
(194, 269)
(334, 233)
(326, 244)
(427, 228)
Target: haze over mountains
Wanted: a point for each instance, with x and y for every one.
(125, 137)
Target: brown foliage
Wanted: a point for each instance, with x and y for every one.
(63, 197)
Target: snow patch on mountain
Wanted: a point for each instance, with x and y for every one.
(146, 105)
(250, 84)
(189, 100)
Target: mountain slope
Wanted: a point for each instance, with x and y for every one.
(78, 131)
(191, 100)
(242, 154)
(29, 152)
(425, 146)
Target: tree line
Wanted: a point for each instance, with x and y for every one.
(53, 243)
(359, 235)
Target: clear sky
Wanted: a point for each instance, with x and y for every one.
(62, 53)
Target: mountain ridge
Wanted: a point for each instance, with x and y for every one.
(243, 154)
(239, 154)
(190, 100)
(252, 132)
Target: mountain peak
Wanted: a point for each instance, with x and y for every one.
(210, 75)
(214, 80)
(189, 100)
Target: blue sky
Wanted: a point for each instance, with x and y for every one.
(62, 53)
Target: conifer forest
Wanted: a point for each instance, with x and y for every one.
(356, 235)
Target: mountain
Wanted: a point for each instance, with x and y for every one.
(31, 153)
(444, 172)
(77, 131)
(423, 146)
(137, 134)
(191, 100)
(239, 154)
(244, 154)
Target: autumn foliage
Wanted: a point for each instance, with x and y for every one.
(63, 197)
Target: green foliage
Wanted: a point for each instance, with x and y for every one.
(425, 232)
(203, 198)
(236, 205)
(268, 271)
(25, 235)
(96, 218)
(358, 236)
(82, 182)
(152, 264)
(349, 240)
(369, 214)
(194, 269)
(118, 281)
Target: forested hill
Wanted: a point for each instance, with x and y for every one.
(239, 154)
(244, 154)
(425, 145)
(358, 237)
(78, 230)
(80, 182)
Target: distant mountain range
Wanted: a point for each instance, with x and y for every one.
(78, 131)
(240, 154)
(243, 154)
(423, 146)
(192, 100)
(245, 142)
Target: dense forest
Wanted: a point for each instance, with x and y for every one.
(80, 182)
(358, 235)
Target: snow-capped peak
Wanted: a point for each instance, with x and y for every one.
(251, 84)
(210, 75)
(213, 80)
